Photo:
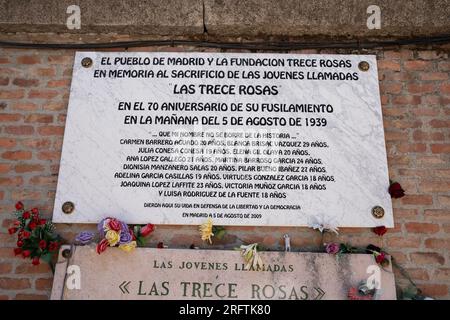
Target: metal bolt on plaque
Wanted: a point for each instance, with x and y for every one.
(86, 62)
(67, 253)
(363, 66)
(68, 207)
(378, 212)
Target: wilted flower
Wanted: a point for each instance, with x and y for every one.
(206, 230)
(252, 257)
(332, 248)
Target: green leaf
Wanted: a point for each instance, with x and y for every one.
(47, 257)
(220, 234)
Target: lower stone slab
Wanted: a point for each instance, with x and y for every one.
(148, 273)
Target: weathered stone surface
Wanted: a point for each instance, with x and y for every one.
(152, 17)
(344, 18)
(212, 274)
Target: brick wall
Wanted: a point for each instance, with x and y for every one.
(415, 93)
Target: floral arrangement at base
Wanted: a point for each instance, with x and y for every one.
(116, 233)
(36, 237)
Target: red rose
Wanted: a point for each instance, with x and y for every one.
(35, 261)
(380, 257)
(35, 211)
(53, 246)
(42, 221)
(20, 243)
(26, 215)
(16, 223)
(114, 224)
(32, 225)
(42, 244)
(17, 251)
(146, 230)
(12, 230)
(133, 236)
(19, 205)
(381, 230)
(26, 234)
(26, 253)
(160, 245)
(396, 190)
(102, 245)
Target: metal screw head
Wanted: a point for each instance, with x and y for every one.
(363, 66)
(86, 62)
(67, 253)
(68, 207)
(378, 212)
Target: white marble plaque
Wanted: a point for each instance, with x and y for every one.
(167, 274)
(247, 139)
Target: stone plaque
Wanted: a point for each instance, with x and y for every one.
(247, 139)
(214, 274)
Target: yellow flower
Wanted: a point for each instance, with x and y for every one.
(206, 230)
(128, 246)
(113, 237)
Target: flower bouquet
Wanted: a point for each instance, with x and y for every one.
(36, 237)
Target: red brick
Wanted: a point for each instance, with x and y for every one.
(406, 100)
(7, 143)
(26, 296)
(405, 213)
(433, 76)
(44, 180)
(402, 242)
(37, 143)
(440, 148)
(5, 267)
(435, 186)
(4, 81)
(43, 284)
(445, 88)
(4, 167)
(54, 106)
(417, 65)
(420, 88)
(4, 60)
(49, 155)
(393, 88)
(444, 66)
(19, 130)
(12, 94)
(14, 284)
(442, 274)
(427, 258)
(51, 130)
(20, 82)
(39, 118)
(444, 200)
(24, 106)
(418, 274)
(425, 111)
(60, 59)
(437, 243)
(430, 160)
(417, 199)
(25, 195)
(34, 59)
(46, 72)
(438, 123)
(10, 117)
(422, 227)
(16, 155)
(395, 136)
(42, 94)
(389, 65)
(22, 168)
(14, 181)
(28, 268)
(411, 147)
(58, 83)
(434, 290)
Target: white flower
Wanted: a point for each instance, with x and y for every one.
(252, 257)
(323, 224)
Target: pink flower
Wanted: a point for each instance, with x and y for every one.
(332, 248)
